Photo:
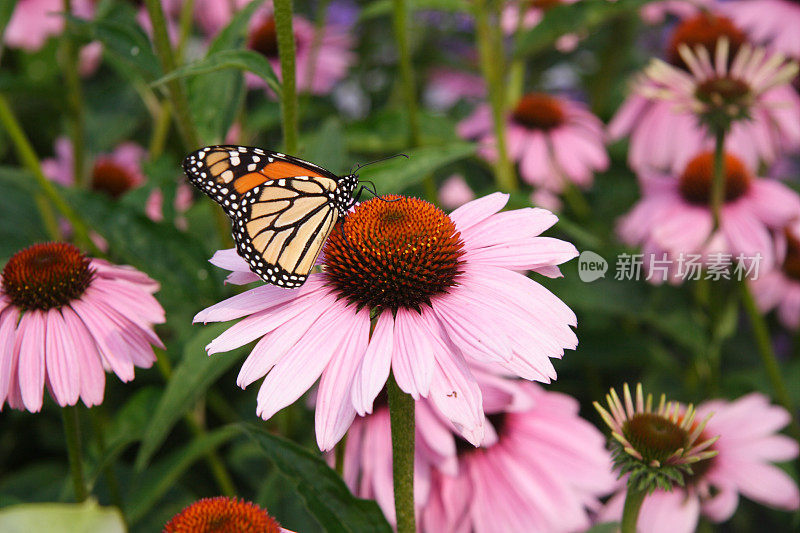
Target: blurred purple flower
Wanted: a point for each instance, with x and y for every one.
(554, 139)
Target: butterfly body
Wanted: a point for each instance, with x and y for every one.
(282, 208)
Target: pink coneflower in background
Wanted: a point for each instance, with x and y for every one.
(213, 15)
(555, 140)
(545, 470)
(442, 290)
(674, 214)
(773, 23)
(317, 70)
(455, 192)
(780, 287)
(64, 319)
(367, 467)
(114, 174)
(748, 443)
(34, 21)
(447, 86)
(664, 111)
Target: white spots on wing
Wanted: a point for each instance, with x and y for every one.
(251, 167)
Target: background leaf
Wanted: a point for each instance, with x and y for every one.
(87, 517)
(325, 494)
(398, 174)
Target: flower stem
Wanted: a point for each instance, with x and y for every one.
(718, 183)
(400, 26)
(69, 61)
(194, 422)
(491, 57)
(401, 414)
(180, 103)
(286, 52)
(69, 414)
(768, 358)
(108, 471)
(28, 158)
(630, 513)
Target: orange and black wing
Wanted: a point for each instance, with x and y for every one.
(282, 208)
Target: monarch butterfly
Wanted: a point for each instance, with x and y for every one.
(282, 208)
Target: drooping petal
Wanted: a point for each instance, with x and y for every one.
(374, 370)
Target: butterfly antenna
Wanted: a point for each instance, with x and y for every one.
(360, 166)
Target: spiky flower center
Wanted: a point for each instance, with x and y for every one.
(696, 181)
(110, 177)
(46, 276)
(704, 29)
(539, 111)
(654, 436)
(222, 515)
(393, 252)
(264, 38)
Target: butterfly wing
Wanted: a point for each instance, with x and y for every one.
(282, 208)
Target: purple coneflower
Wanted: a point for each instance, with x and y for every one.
(411, 290)
(555, 140)
(65, 319)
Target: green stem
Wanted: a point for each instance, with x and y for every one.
(180, 103)
(194, 422)
(28, 158)
(491, 58)
(75, 101)
(516, 76)
(186, 18)
(49, 219)
(401, 414)
(108, 471)
(400, 26)
(158, 138)
(575, 200)
(718, 183)
(69, 415)
(286, 52)
(768, 358)
(630, 514)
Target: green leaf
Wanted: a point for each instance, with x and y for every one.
(125, 41)
(387, 131)
(581, 17)
(162, 476)
(178, 260)
(191, 379)
(128, 426)
(227, 59)
(234, 34)
(86, 517)
(397, 174)
(20, 224)
(382, 8)
(326, 147)
(326, 496)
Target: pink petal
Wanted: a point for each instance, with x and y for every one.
(114, 351)
(63, 373)
(92, 376)
(456, 394)
(412, 359)
(375, 366)
(478, 210)
(30, 335)
(334, 411)
(8, 362)
(295, 374)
